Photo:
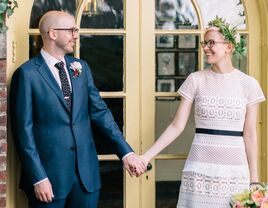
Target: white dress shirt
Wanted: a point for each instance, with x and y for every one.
(51, 61)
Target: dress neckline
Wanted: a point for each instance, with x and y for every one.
(224, 74)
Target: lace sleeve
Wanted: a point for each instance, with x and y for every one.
(188, 88)
(255, 94)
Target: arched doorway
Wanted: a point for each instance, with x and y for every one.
(127, 43)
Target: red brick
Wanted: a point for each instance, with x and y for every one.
(3, 78)
(3, 64)
(3, 188)
(3, 175)
(3, 134)
(3, 92)
(3, 159)
(3, 137)
(3, 148)
(3, 166)
(3, 120)
(3, 106)
(2, 202)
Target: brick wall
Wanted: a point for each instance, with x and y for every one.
(3, 121)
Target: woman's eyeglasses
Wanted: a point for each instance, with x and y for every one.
(211, 43)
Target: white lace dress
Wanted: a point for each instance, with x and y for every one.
(217, 166)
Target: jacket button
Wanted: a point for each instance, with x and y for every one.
(71, 148)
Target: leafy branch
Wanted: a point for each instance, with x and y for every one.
(6, 10)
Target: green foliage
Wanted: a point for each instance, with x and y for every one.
(240, 47)
(230, 34)
(6, 10)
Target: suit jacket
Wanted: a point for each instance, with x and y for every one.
(50, 140)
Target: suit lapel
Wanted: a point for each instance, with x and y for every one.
(49, 78)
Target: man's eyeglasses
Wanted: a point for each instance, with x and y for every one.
(73, 30)
(211, 43)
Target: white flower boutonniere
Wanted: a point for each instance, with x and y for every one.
(77, 68)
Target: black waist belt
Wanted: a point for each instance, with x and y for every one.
(218, 132)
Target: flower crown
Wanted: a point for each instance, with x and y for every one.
(230, 34)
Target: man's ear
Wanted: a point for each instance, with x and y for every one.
(52, 35)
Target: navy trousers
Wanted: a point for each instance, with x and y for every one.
(77, 198)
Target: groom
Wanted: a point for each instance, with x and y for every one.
(53, 103)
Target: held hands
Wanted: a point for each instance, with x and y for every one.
(43, 191)
(136, 165)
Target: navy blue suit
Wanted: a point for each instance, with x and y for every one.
(50, 140)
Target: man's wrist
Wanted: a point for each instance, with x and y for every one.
(38, 182)
(126, 155)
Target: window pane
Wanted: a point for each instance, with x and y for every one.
(41, 7)
(35, 45)
(104, 54)
(168, 180)
(102, 141)
(235, 15)
(166, 108)
(175, 14)
(241, 61)
(111, 195)
(103, 14)
(206, 65)
(176, 58)
(187, 62)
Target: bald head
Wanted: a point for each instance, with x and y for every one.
(55, 19)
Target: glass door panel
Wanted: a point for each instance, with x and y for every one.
(168, 180)
(103, 145)
(175, 14)
(235, 15)
(103, 14)
(176, 58)
(41, 7)
(35, 45)
(165, 111)
(105, 56)
(241, 61)
(112, 191)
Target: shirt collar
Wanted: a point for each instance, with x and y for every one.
(49, 59)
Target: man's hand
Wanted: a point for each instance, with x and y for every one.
(134, 165)
(43, 191)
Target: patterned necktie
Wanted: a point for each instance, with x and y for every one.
(65, 86)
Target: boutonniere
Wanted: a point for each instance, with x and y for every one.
(77, 68)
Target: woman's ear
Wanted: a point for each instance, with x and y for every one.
(230, 48)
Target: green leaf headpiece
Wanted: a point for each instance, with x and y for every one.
(230, 34)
